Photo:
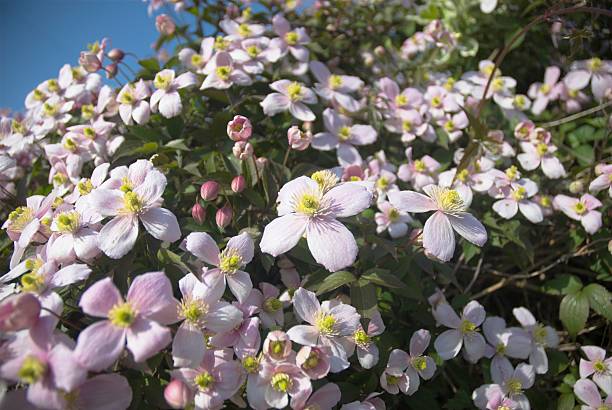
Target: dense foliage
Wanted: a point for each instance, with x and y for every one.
(345, 204)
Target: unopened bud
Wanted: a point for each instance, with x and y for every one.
(116, 54)
(261, 163)
(111, 70)
(224, 216)
(89, 61)
(239, 129)
(242, 150)
(198, 213)
(379, 51)
(19, 312)
(298, 140)
(165, 25)
(576, 187)
(177, 394)
(209, 190)
(599, 168)
(238, 184)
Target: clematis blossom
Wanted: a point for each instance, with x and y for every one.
(582, 210)
(290, 96)
(463, 331)
(167, 98)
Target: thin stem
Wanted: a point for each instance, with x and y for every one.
(286, 156)
(576, 116)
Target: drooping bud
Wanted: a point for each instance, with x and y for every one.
(165, 25)
(224, 216)
(239, 129)
(19, 312)
(116, 54)
(89, 61)
(238, 184)
(576, 187)
(298, 140)
(177, 394)
(198, 213)
(242, 150)
(209, 190)
(111, 70)
(261, 163)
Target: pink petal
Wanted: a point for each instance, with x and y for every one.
(118, 237)
(240, 284)
(438, 237)
(531, 211)
(100, 297)
(469, 227)
(448, 344)
(304, 335)
(243, 244)
(348, 199)
(67, 371)
(146, 338)
(282, 234)
(188, 346)
(587, 391)
(99, 345)
(331, 243)
(410, 201)
(161, 224)
(204, 247)
(419, 342)
(275, 103)
(107, 202)
(301, 112)
(524, 316)
(105, 392)
(306, 305)
(150, 293)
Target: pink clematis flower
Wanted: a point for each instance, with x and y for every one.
(420, 172)
(541, 154)
(367, 351)
(292, 41)
(394, 379)
(466, 181)
(310, 206)
(410, 124)
(499, 402)
(372, 402)
(325, 398)
(222, 73)
(393, 99)
(596, 71)
(463, 331)
(132, 104)
(597, 366)
(197, 61)
(276, 383)
(315, 361)
(271, 314)
(516, 197)
(73, 235)
(290, 96)
(415, 364)
(336, 88)
(454, 125)
(200, 312)
(505, 342)
(327, 325)
(228, 264)
(541, 338)
(582, 210)
(549, 90)
(449, 215)
(587, 392)
(128, 206)
(139, 319)
(167, 97)
(391, 219)
(603, 181)
(343, 136)
(277, 346)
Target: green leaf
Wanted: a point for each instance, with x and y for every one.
(167, 257)
(388, 280)
(599, 299)
(566, 402)
(335, 280)
(150, 64)
(363, 297)
(574, 312)
(563, 285)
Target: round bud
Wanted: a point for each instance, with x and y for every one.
(116, 54)
(239, 129)
(238, 184)
(165, 25)
(209, 190)
(224, 216)
(198, 213)
(89, 61)
(177, 394)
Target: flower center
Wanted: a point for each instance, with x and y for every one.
(514, 386)
(467, 326)
(60, 178)
(401, 100)
(277, 347)
(33, 264)
(126, 97)
(223, 72)
(89, 133)
(272, 305)
(132, 203)
(325, 179)
(193, 311)
(498, 84)
(50, 109)
(33, 282)
(545, 89)
(450, 201)
(17, 127)
(512, 173)
(382, 183)
(87, 111)
(450, 83)
(344, 133)
(392, 380)
(436, 101)
(291, 38)
(67, 222)
(335, 81)
(204, 380)
(542, 148)
(197, 60)
(308, 204)
(580, 208)
(250, 364)
(463, 175)
(520, 101)
(294, 90)
(539, 334)
(53, 86)
(406, 125)
(244, 30)
(281, 382)
(162, 81)
(600, 367)
(85, 186)
(361, 338)
(253, 51)
(449, 126)
(19, 218)
(122, 315)
(500, 348)
(545, 201)
(221, 43)
(39, 95)
(230, 261)
(519, 194)
(32, 370)
(393, 215)
(419, 363)
(312, 361)
(325, 323)
(419, 166)
(595, 64)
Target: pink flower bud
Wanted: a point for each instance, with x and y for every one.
(576, 187)
(261, 162)
(224, 216)
(165, 25)
(298, 140)
(238, 184)
(116, 54)
(379, 51)
(198, 213)
(19, 312)
(239, 129)
(90, 61)
(177, 394)
(242, 150)
(209, 190)
(111, 70)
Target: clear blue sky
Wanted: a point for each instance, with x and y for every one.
(37, 37)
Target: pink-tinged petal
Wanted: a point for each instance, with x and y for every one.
(67, 371)
(492, 329)
(326, 397)
(419, 342)
(240, 284)
(275, 398)
(529, 161)
(141, 113)
(107, 202)
(518, 345)
(275, 103)
(587, 392)
(304, 335)
(524, 316)
(150, 292)
(99, 345)
(70, 274)
(86, 244)
(44, 394)
(551, 75)
(146, 338)
(531, 211)
(331, 243)
(214, 280)
(448, 344)
(16, 399)
(409, 201)
(100, 297)
(161, 224)
(282, 234)
(320, 71)
(526, 374)
(204, 247)
(413, 380)
(501, 369)
(539, 360)
(591, 221)
(474, 312)
(152, 186)
(348, 155)
(438, 237)
(61, 250)
(306, 305)
(105, 392)
(223, 318)
(118, 237)
(590, 202)
(185, 80)
(600, 83)
(398, 359)
(469, 228)
(347, 102)
(188, 346)
(125, 112)
(376, 325)
(604, 381)
(566, 205)
(243, 244)
(552, 167)
(475, 345)
(156, 97)
(170, 104)
(430, 368)
(138, 171)
(506, 208)
(577, 80)
(348, 199)
(28, 233)
(447, 316)
(324, 141)
(593, 353)
(301, 112)
(369, 356)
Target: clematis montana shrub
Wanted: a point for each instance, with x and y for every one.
(315, 205)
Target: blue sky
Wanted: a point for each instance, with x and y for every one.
(37, 37)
